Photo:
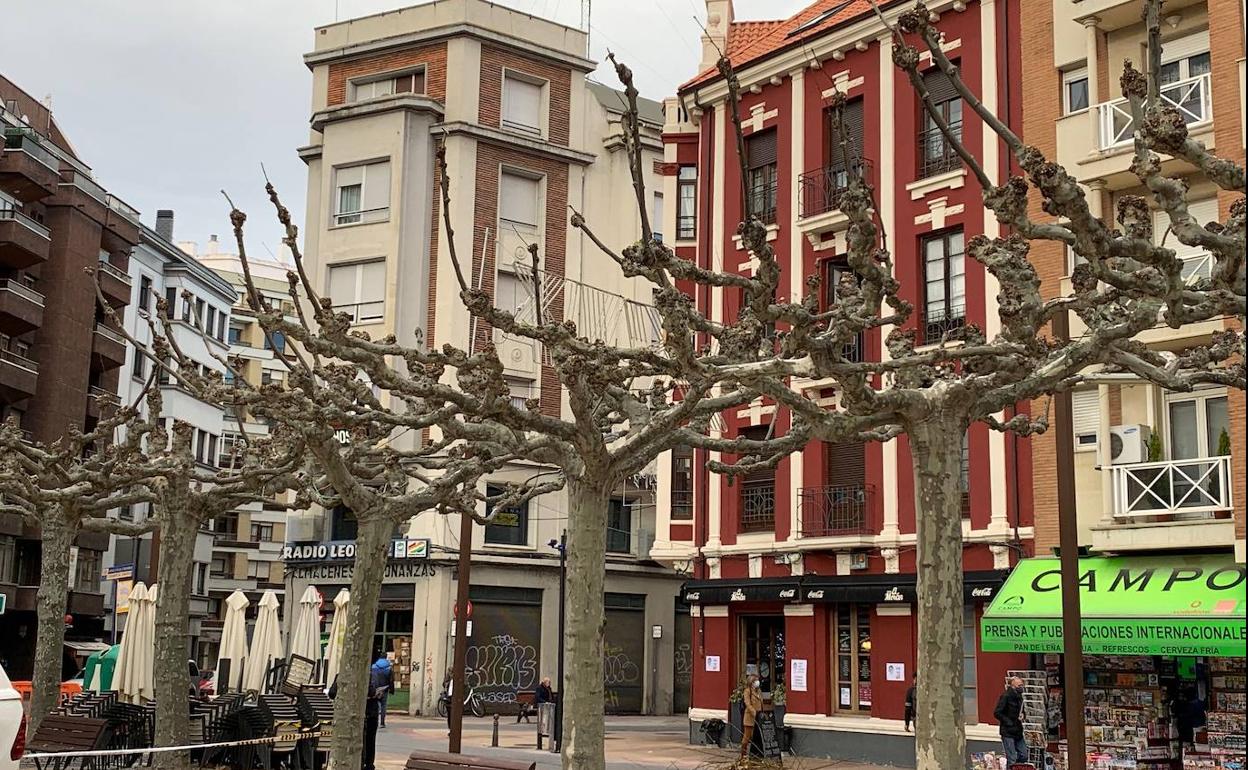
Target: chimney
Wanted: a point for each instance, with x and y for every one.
(164, 224)
(212, 247)
(719, 16)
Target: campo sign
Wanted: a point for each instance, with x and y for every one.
(1181, 605)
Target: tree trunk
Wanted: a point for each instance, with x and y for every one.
(177, 554)
(51, 602)
(371, 547)
(582, 686)
(940, 731)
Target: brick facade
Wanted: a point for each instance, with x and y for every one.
(558, 90)
(490, 159)
(432, 57)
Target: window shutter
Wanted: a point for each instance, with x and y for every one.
(1186, 46)
(518, 199)
(350, 175)
(845, 463)
(939, 86)
(853, 126)
(760, 149)
(1085, 408)
(522, 103)
(342, 285)
(758, 433)
(377, 186)
(372, 282)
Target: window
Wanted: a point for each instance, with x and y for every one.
(758, 490)
(359, 290)
(171, 301)
(852, 673)
(510, 526)
(518, 202)
(138, 367)
(8, 558)
(275, 341)
(201, 580)
(936, 152)
(521, 391)
(687, 203)
(656, 217)
(186, 307)
(761, 170)
(218, 567)
(362, 194)
(145, 294)
(1075, 97)
(509, 295)
(222, 316)
(1184, 76)
(970, 670)
(258, 570)
(835, 272)
(964, 476)
(682, 484)
(1197, 263)
(87, 576)
(1195, 423)
(262, 533)
(522, 104)
(404, 83)
(342, 524)
(236, 332)
(944, 287)
(199, 312)
(1085, 410)
(620, 526)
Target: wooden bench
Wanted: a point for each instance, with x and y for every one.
(59, 733)
(433, 760)
(526, 703)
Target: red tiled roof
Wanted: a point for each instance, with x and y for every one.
(752, 41)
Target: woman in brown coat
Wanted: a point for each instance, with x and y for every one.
(752, 700)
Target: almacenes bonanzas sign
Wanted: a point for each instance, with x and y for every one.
(335, 559)
(1185, 605)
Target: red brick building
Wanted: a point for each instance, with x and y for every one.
(807, 574)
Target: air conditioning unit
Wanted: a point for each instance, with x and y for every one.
(1128, 444)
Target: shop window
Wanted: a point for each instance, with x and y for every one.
(937, 155)
(359, 290)
(682, 483)
(944, 286)
(763, 650)
(852, 672)
(510, 526)
(687, 203)
(970, 672)
(758, 490)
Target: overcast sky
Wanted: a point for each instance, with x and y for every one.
(169, 101)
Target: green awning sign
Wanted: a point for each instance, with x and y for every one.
(1155, 605)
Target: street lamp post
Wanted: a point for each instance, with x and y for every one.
(562, 546)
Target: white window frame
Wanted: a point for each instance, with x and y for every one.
(363, 216)
(1161, 230)
(543, 105)
(1202, 425)
(358, 302)
(365, 82)
(1069, 77)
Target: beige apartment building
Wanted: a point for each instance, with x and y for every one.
(527, 136)
(1155, 471)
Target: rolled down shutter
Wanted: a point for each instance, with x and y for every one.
(760, 149)
(1085, 407)
(939, 86)
(854, 127)
(845, 463)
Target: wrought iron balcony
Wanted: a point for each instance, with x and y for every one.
(1192, 97)
(758, 506)
(1169, 487)
(938, 321)
(820, 190)
(836, 510)
(761, 202)
(936, 153)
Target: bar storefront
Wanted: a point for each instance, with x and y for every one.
(1164, 667)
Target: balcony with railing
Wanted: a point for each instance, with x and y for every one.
(23, 241)
(758, 506)
(1192, 97)
(18, 376)
(935, 322)
(108, 347)
(760, 201)
(936, 152)
(21, 308)
(76, 180)
(114, 284)
(820, 191)
(838, 510)
(27, 168)
(1168, 504)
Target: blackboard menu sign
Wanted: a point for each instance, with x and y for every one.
(767, 735)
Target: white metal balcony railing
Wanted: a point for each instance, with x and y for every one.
(1190, 96)
(1201, 485)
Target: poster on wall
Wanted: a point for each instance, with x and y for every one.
(844, 697)
(712, 662)
(895, 672)
(797, 675)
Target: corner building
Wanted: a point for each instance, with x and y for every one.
(807, 574)
(526, 135)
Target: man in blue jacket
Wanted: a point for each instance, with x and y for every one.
(380, 684)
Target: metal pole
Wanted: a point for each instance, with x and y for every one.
(461, 634)
(557, 743)
(1068, 538)
(114, 582)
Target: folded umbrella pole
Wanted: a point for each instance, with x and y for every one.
(266, 643)
(233, 642)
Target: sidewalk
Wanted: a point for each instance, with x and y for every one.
(633, 743)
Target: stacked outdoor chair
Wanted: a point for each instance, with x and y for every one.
(282, 711)
(317, 712)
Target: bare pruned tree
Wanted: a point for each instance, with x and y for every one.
(64, 489)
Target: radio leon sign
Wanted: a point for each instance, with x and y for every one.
(344, 550)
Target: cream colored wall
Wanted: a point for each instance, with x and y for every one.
(1130, 42)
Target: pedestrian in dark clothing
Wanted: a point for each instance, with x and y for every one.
(1189, 716)
(544, 692)
(910, 702)
(372, 711)
(380, 685)
(1009, 714)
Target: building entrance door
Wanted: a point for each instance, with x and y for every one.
(762, 649)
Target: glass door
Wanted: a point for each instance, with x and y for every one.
(851, 637)
(762, 649)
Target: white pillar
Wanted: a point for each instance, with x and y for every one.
(1091, 33)
(887, 193)
(797, 270)
(1105, 456)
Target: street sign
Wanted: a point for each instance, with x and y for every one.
(455, 611)
(119, 572)
(469, 629)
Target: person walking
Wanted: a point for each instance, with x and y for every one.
(910, 701)
(381, 684)
(752, 700)
(1009, 714)
(372, 708)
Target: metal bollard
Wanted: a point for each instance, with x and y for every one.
(494, 739)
